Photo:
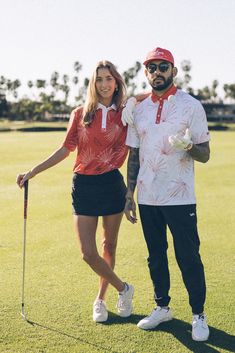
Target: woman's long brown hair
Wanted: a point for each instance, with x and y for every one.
(92, 99)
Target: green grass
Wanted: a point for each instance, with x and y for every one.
(16, 125)
(60, 288)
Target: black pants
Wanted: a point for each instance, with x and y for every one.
(182, 222)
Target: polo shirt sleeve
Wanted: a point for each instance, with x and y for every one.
(132, 139)
(71, 138)
(198, 125)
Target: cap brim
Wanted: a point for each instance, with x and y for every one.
(153, 59)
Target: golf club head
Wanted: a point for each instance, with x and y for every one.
(23, 316)
(22, 312)
(26, 319)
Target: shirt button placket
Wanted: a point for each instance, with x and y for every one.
(159, 111)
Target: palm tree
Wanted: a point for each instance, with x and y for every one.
(183, 82)
(65, 87)
(80, 99)
(54, 82)
(130, 76)
(77, 68)
(229, 90)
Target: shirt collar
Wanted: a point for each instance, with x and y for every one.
(171, 91)
(103, 107)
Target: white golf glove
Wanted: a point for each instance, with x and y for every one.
(128, 111)
(181, 142)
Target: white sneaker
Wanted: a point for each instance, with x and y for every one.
(157, 316)
(200, 330)
(100, 313)
(124, 303)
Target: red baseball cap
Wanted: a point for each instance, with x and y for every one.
(159, 54)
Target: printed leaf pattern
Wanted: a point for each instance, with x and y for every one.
(166, 176)
(98, 151)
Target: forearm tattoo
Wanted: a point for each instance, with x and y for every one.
(200, 152)
(133, 166)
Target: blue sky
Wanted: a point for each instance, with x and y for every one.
(41, 36)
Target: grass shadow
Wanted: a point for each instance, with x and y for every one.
(115, 319)
(83, 341)
(181, 330)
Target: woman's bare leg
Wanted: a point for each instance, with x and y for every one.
(111, 225)
(85, 227)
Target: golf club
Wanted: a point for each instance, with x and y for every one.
(24, 248)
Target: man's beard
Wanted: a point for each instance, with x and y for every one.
(160, 87)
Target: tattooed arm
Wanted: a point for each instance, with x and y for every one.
(200, 152)
(133, 166)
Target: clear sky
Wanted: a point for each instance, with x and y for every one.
(42, 36)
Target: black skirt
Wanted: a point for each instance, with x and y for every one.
(98, 195)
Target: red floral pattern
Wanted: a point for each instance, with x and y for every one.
(99, 150)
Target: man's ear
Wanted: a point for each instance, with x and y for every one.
(145, 72)
(175, 71)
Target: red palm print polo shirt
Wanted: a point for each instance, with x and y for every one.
(100, 146)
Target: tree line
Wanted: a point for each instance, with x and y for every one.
(53, 96)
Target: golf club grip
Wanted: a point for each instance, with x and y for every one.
(26, 188)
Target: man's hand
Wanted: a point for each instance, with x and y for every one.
(128, 111)
(181, 142)
(130, 209)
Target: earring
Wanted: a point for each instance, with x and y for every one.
(116, 89)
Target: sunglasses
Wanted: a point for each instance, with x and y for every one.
(162, 67)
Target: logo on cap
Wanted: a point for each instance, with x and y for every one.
(159, 54)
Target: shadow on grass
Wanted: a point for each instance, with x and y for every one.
(115, 319)
(53, 329)
(181, 330)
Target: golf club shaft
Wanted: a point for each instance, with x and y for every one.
(24, 245)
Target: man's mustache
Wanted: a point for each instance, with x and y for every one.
(156, 78)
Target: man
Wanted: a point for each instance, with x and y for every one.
(170, 131)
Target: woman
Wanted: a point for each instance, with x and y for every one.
(98, 133)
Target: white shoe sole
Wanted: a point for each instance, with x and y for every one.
(153, 326)
(100, 320)
(199, 339)
(126, 314)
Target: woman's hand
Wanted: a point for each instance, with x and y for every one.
(21, 178)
